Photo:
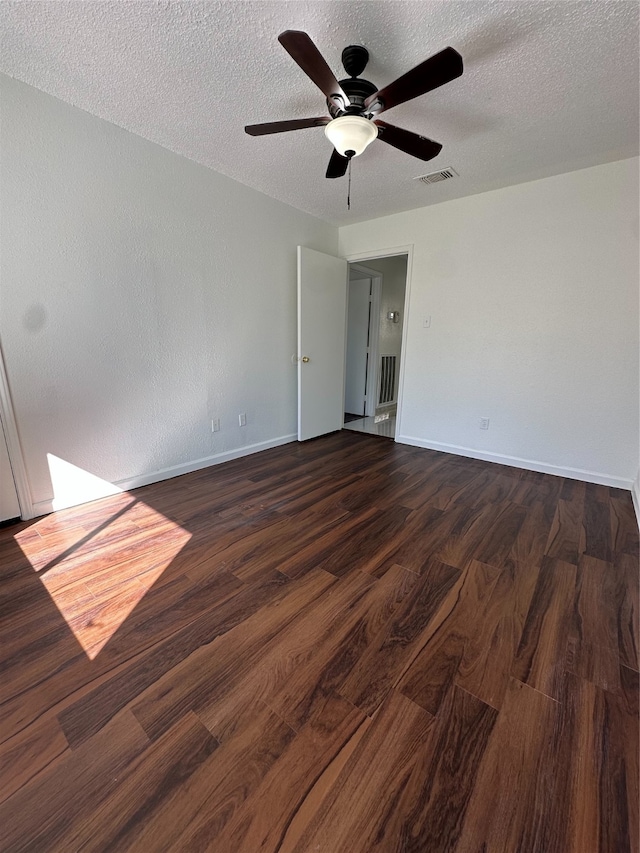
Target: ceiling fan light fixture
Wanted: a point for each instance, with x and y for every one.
(350, 133)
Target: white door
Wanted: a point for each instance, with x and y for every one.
(358, 318)
(322, 313)
(9, 507)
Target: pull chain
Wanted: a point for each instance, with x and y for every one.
(349, 188)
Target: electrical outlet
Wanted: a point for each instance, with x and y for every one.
(426, 322)
(484, 423)
(215, 425)
(242, 419)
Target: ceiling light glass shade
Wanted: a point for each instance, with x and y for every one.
(350, 133)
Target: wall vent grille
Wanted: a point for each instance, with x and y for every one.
(387, 380)
(436, 177)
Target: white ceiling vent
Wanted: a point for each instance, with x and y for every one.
(436, 177)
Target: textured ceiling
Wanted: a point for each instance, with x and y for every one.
(547, 87)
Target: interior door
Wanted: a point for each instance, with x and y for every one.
(358, 319)
(322, 314)
(9, 507)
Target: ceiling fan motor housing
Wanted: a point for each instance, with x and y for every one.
(354, 59)
(357, 90)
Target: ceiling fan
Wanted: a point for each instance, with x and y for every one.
(354, 103)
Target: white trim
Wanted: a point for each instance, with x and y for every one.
(44, 507)
(14, 448)
(516, 462)
(635, 496)
(389, 253)
(372, 254)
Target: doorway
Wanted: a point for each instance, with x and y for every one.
(363, 307)
(375, 318)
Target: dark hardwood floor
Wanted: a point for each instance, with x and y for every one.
(347, 646)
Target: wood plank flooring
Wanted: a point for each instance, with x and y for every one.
(347, 645)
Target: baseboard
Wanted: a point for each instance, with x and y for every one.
(45, 507)
(206, 462)
(516, 462)
(635, 494)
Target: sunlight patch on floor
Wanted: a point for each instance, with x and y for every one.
(95, 595)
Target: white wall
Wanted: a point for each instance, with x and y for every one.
(533, 293)
(141, 295)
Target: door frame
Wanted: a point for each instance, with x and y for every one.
(14, 448)
(371, 390)
(373, 254)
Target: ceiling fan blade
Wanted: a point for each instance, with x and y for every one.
(300, 47)
(337, 165)
(411, 143)
(433, 72)
(282, 126)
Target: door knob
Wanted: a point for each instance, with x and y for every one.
(305, 359)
